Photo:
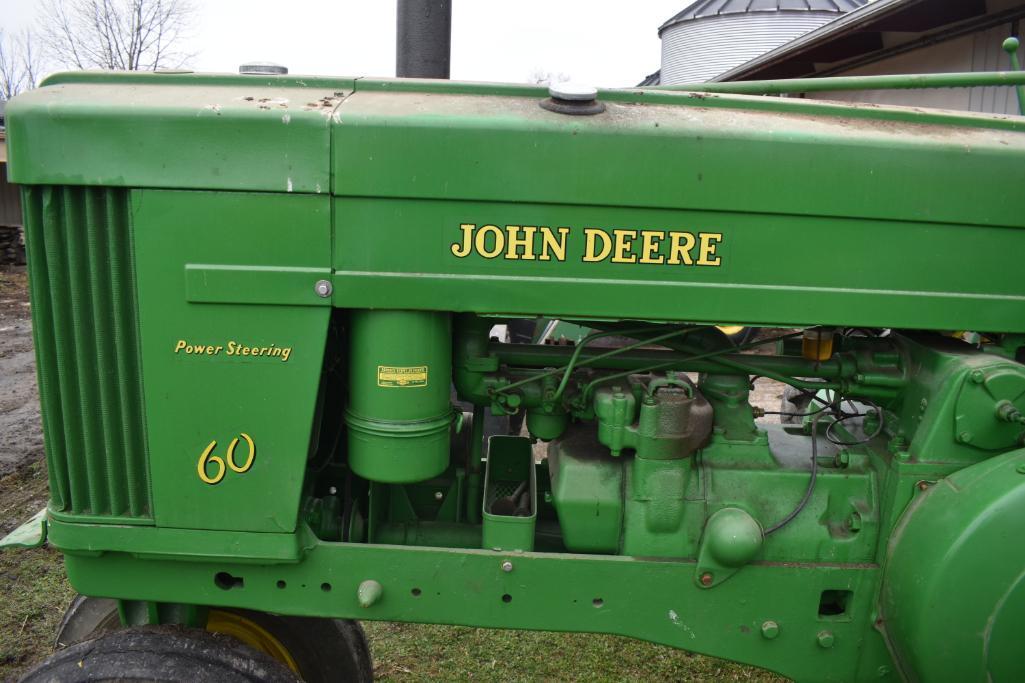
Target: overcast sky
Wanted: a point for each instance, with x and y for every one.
(600, 42)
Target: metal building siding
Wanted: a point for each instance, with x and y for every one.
(699, 50)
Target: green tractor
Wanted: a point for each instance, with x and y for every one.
(252, 297)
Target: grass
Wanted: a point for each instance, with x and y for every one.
(32, 582)
(416, 652)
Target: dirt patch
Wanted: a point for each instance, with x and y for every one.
(19, 398)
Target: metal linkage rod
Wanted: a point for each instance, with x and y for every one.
(888, 82)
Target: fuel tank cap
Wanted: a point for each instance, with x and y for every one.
(575, 99)
(573, 92)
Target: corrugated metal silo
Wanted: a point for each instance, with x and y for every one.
(711, 37)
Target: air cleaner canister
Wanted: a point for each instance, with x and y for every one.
(399, 410)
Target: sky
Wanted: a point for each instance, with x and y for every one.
(597, 42)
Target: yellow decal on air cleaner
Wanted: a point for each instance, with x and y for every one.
(206, 459)
(232, 348)
(392, 376)
(541, 243)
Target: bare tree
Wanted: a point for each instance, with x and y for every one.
(539, 76)
(123, 35)
(19, 64)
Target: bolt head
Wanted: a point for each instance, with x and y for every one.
(507, 566)
(978, 376)
(770, 629)
(825, 639)
(438, 495)
(323, 288)
(707, 578)
(923, 485)
(965, 437)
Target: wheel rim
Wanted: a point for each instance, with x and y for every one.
(252, 634)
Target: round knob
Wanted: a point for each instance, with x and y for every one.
(573, 92)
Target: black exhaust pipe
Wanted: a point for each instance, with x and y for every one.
(423, 41)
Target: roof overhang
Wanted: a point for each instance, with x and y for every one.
(857, 38)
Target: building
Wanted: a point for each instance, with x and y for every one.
(12, 246)
(710, 37)
(894, 37)
(903, 37)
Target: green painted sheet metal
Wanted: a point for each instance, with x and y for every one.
(743, 155)
(775, 269)
(215, 372)
(31, 534)
(180, 131)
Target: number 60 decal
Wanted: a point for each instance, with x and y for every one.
(206, 458)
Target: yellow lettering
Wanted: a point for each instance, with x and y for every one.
(591, 254)
(204, 458)
(463, 249)
(679, 248)
(709, 242)
(551, 246)
(230, 458)
(285, 353)
(650, 244)
(179, 346)
(623, 246)
(482, 241)
(515, 243)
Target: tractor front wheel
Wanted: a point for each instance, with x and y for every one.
(161, 654)
(315, 649)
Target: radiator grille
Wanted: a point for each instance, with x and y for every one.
(85, 323)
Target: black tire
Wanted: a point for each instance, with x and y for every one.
(160, 654)
(323, 649)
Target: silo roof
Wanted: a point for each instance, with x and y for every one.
(710, 8)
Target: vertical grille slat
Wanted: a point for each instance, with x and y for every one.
(103, 339)
(46, 353)
(90, 445)
(129, 369)
(82, 283)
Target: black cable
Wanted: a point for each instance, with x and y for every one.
(811, 482)
(838, 416)
(858, 442)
